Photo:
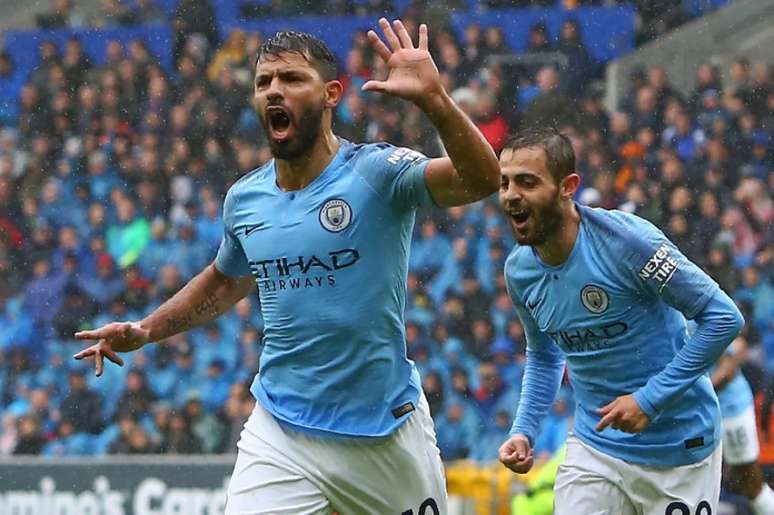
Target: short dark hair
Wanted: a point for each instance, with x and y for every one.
(560, 156)
(311, 48)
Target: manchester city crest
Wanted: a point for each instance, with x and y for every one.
(594, 298)
(335, 215)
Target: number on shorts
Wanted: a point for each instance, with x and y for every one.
(677, 508)
(738, 437)
(680, 508)
(423, 508)
(704, 508)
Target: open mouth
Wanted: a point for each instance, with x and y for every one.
(520, 218)
(279, 122)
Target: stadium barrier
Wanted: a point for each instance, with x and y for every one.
(182, 485)
(743, 28)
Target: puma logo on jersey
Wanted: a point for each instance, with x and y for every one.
(252, 228)
(533, 305)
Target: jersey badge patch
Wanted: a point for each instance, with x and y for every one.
(335, 215)
(594, 299)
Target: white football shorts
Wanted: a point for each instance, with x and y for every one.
(740, 438)
(590, 482)
(281, 471)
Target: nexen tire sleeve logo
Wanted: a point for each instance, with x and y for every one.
(661, 267)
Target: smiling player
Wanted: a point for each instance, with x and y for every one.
(323, 230)
(608, 292)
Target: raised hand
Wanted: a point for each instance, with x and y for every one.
(112, 338)
(516, 454)
(413, 74)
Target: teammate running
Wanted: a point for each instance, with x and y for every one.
(324, 231)
(608, 291)
(740, 434)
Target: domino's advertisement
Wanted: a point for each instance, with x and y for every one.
(120, 486)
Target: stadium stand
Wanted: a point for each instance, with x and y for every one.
(117, 146)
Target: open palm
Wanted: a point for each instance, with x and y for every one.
(413, 74)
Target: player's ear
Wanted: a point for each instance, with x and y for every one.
(334, 90)
(569, 186)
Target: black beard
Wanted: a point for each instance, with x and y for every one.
(550, 222)
(307, 129)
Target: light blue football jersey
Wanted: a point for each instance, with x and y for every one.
(616, 310)
(736, 397)
(330, 262)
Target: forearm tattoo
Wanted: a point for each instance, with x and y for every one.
(178, 324)
(208, 304)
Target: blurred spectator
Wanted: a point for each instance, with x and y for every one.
(539, 40)
(550, 106)
(44, 292)
(144, 12)
(136, 398)
(683, 138)
(193, 17)
(127, 423)
(82, 406)
(127, 238)
(487, 445)
(9, 435)
(494, 42)
(215, 386)
(140, 443)
(580, 65)
(664, 92)
(30, 438)
(429, 251)
(455, 432)
(432, 385)
(491, 124)
(184, 375)
(658, 17)
(553, 430)
(178, 438)
(105, 285)
(493, 394)
(16, 326)
(76, 314)
(646, 113)
(235, 413)
(64, 14)
(206, 428)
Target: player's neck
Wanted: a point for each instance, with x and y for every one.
(557, 248)
(296, 174)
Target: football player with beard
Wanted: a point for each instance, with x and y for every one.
(609, 294)
(323, 230)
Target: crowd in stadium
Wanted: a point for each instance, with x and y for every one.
(111, 184)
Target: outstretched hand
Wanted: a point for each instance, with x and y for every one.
(112, 338)
(412, 73)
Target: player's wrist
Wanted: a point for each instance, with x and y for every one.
(647, 407)
(435, 103)
(520, 435)
(143, 332)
